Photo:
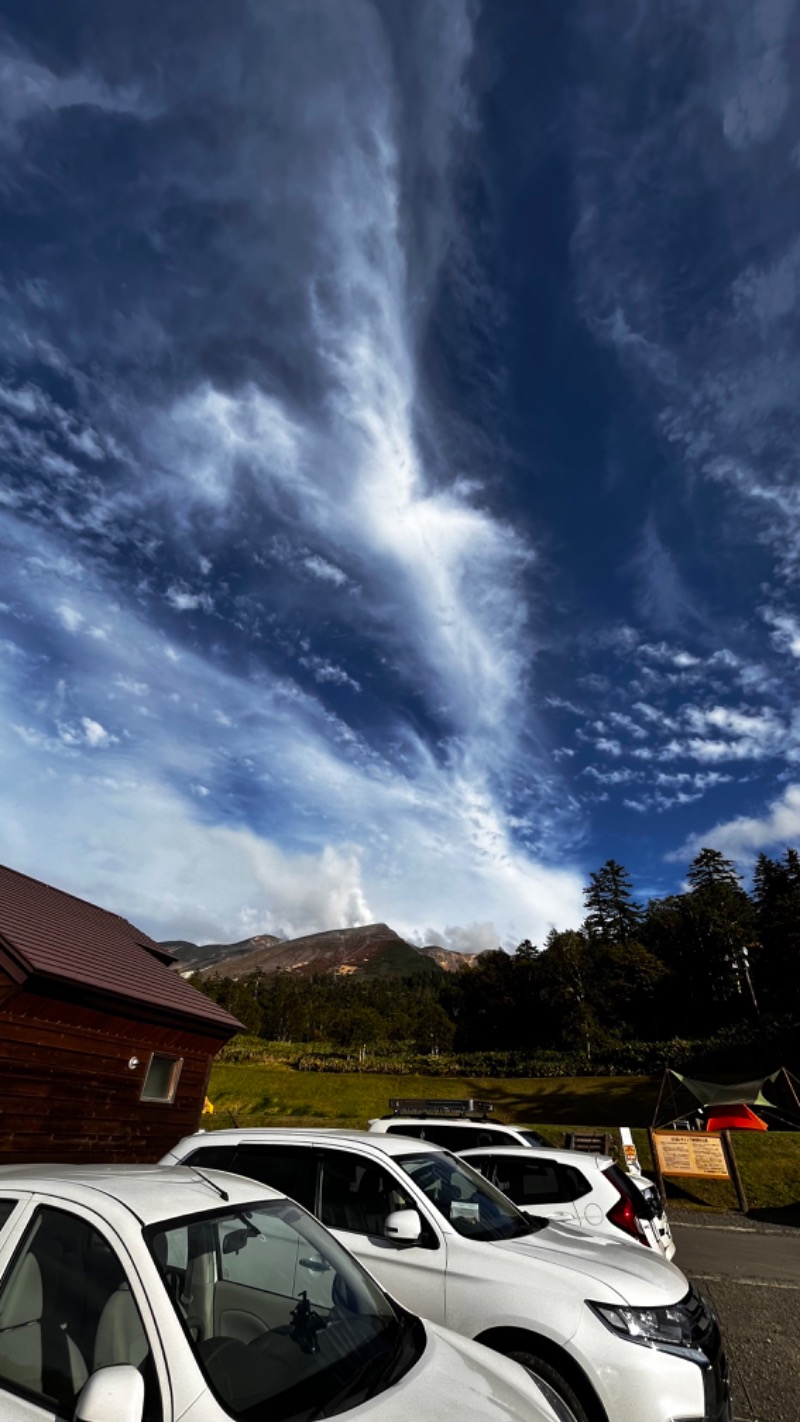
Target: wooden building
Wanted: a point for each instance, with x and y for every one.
(105, 1051)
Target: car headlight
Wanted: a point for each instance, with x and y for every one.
(669, 1327)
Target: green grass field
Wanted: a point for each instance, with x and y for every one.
(273, 1095)
(267, 1095)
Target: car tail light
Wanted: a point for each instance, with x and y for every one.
(623, 1215)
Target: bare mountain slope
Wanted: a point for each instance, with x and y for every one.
(373, 950)
(449, 959)
(191, 958)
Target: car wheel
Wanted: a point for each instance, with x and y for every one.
(562, 1398)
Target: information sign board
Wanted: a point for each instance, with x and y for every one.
(691, 1153)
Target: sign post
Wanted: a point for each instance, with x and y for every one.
(733, 1165)
(629, 1151)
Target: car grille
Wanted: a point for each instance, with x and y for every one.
(707, 1339)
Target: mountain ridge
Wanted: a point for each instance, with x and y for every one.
(369, 950)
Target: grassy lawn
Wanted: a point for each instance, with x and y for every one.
(265, 1095)
(273, 1095)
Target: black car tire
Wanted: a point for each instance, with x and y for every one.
(562, 1397)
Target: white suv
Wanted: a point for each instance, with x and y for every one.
(613, 1332)
(588, 1190)
(637, 1205)
(145, 1294)
(456, 1131)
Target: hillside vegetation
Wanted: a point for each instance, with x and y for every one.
(708, 980)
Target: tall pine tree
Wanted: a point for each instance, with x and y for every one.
(614, 917)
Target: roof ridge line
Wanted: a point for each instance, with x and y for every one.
(76, 898)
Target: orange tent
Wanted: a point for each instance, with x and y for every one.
(735, 1118)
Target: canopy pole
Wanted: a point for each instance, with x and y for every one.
(788, 1075)
(660, 1094)
(733, 1167)
(660, 1186)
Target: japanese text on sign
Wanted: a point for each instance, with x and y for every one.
(690, 1153)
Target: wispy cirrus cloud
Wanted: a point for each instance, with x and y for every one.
(714, 346)
(315, 650)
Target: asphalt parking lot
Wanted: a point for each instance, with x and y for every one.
(751, 1274)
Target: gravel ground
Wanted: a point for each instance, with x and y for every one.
(760, 1317)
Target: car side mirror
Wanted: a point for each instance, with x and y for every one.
(114, 1394)
(403, 1226)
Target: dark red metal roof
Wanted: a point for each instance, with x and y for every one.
(53, 935)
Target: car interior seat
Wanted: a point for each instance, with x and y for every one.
(120, 1337)
(34, 1353)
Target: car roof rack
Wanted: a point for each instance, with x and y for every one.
(424, 1106)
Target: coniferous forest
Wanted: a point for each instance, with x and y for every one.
(710, 976)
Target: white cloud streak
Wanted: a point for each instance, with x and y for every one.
(743, 837)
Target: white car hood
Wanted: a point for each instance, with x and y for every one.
(457, 1380)
(638, 1276)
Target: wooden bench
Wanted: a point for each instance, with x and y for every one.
(591, 1143)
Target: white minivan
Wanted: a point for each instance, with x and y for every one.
(613, 1332)
(153, 1294)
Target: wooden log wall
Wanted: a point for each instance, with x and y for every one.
(68, 1094)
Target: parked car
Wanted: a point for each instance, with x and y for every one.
(457, 1125)
(147, 1294)
(587, 1190)
(615, 1333)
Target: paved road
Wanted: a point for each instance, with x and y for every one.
(752, 1277)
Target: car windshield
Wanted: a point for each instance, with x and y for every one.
(283, 1321)
(473, 1206)
(532, 1138)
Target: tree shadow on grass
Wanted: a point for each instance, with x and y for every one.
(715, 1196)
(592, 1101)
(780, 1215)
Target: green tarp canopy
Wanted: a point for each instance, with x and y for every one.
(743, 1093)
(778, 1093)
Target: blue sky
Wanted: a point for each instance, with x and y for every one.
(399, 426)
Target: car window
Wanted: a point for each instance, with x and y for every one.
(531, 1138)
(278, 1261)
(451, 1135)
(290, 1169)
(454, 1135)
(267, 1346)
(484, 1136)
(6, 1209)
(483, 1163)
(406, 1129)
(528, 1181)
(66, 1309)
(357, 1195)
(473, 1206)
(213, 1157)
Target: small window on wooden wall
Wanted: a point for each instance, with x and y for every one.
(161, 1081)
